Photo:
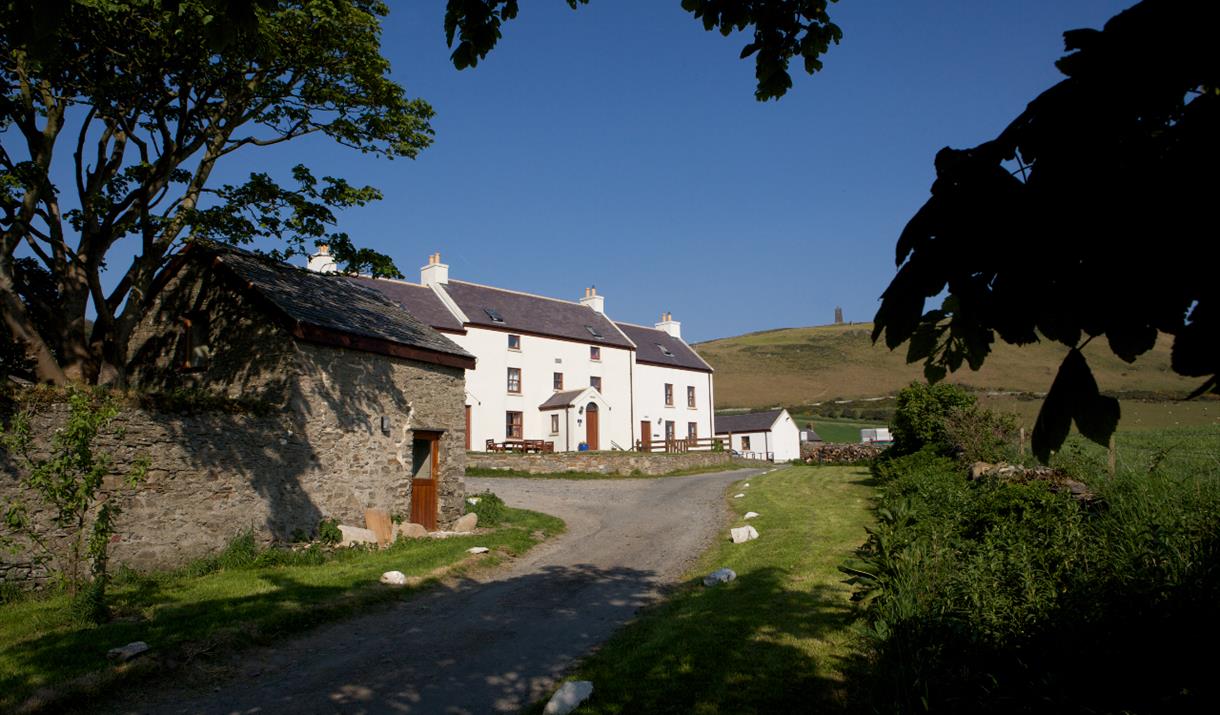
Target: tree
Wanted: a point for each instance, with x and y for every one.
(1086, 217)
(141, 100)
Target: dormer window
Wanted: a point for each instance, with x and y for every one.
(594, 332)
(494, 315)
(664, 350)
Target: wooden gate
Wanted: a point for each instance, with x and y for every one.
(425, 469)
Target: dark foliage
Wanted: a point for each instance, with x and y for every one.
(1086, 217)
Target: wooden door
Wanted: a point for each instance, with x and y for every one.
(467, 428)
(591, 427)
(424, 473)
(646, 434)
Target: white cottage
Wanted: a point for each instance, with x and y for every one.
(770, 435)
(559, 372)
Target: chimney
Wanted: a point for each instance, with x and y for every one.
(669, 325)
(322, 261)
(435, 272)
(593, 300)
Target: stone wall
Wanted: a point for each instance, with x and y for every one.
(623, 463)
(316, 449)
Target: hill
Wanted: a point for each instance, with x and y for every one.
(795, 366)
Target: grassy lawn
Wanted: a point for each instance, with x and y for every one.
(777, 639)
(517, 474)
(213, 605)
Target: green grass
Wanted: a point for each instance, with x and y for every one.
(778, 639)
(518, 474)
(209, 606)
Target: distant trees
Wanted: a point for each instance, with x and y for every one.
(1090, 216)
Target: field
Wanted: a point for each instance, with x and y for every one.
(801, 366)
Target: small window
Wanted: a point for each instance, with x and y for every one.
(554, 424)
(514, 342)
(669, 430)
(559, 381)
(692, 430)
(745, 444)
(690, 396)
(512, 427)
(664, 350)
(194, 350)
(494, 315)
(594, 332)
(514, 380)
(596, 383)
(595, 352)
(669, 395)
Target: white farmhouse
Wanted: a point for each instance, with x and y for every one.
(559, 372)
(770, 435)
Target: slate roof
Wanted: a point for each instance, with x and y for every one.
(331, 302)
(748, 422)
(648, 344)
(417, 300)
(534, 314)
(561, 399)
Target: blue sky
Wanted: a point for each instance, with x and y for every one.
(620, 145)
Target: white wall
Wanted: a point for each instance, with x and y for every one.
(489, 399)
(782, 441)
(650, 401)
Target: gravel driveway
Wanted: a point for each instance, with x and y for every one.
(498, 641)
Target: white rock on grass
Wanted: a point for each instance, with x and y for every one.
(472, 500)
(568, 697)
(127, 652)
(746, 484)
(719, 576)
(467, 523)
(751, 515)
(394, 578)
(355, 535)
(743, 534)
(738, 496)
(477, 550)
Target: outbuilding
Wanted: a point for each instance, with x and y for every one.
(770, 435)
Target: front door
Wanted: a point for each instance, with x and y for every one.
(591, 426)
(425, 469)
(646, 435)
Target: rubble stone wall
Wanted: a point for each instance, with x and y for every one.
(621, 463)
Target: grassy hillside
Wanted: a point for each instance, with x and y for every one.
(797, 366)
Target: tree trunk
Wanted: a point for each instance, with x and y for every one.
(17, 319)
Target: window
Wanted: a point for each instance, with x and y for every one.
(514, 342)
(690, 395)
(596, 383)
(664, 350)
(512, 427)
(669, 430)
(692, 430)
(595, 352)
(745, 444)
(514, 380)
(554, 424)
(559, 381)
(193, 349)
(593, 331)
(669, 395)
(494, 315)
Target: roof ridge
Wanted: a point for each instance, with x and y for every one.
(401, 281)
(532, 295)
(637, 325)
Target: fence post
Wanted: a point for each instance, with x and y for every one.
(1023, 442)
(1113, 460)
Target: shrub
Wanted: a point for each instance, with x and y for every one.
(975, 434)
(920, 413)
(328, 532)
(490, 508)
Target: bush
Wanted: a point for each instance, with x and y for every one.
(328, 532)
(975, 434)
(490, 508)
(920, 413)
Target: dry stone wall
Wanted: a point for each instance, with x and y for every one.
(621, 463)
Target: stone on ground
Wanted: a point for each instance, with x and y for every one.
(738, 496)
(394, 578)
(568, 697)
(472, 500)
(127, 652)
(477, 550)
(466, 523)
(719, 576)
(743, 534)
(411, 530)
(750, 515)
(746, 484)
(355, 535)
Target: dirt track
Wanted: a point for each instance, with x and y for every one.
(499, 641)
